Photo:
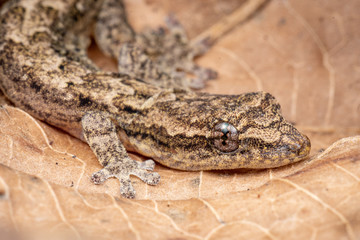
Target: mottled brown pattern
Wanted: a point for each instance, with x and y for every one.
(45, 71)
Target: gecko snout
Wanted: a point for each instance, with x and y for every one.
(305, 147)
(300, 148)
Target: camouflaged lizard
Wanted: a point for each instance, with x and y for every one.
(146, 107)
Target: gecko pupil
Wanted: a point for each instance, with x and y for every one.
(225, 137)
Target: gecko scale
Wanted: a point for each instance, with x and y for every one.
(147, 107)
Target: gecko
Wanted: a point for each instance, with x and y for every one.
(147, 106)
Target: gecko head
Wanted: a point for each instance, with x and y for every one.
(259, 147)
(207, 132)
(257, 136)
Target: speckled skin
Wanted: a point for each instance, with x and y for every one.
(147, 107)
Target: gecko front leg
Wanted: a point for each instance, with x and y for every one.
(100, 133)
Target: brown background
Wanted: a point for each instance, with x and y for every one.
(306, 53)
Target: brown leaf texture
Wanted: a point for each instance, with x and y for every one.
(306, 53)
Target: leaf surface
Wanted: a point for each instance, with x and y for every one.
(303, 52)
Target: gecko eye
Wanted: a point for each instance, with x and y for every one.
(225, 137)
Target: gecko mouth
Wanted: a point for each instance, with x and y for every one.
(296, 151)
(269, 155)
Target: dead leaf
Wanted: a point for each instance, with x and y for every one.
(306, 53)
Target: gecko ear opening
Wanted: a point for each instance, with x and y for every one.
(225, 137)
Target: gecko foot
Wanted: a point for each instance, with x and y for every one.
(121, 172)
(202, 76)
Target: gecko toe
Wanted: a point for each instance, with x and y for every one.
(151, 178)
(147, 165)
(100, 176)
(126, 189)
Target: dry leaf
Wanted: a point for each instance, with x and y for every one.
(306, 53)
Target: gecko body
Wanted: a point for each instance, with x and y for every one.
(147, 107)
